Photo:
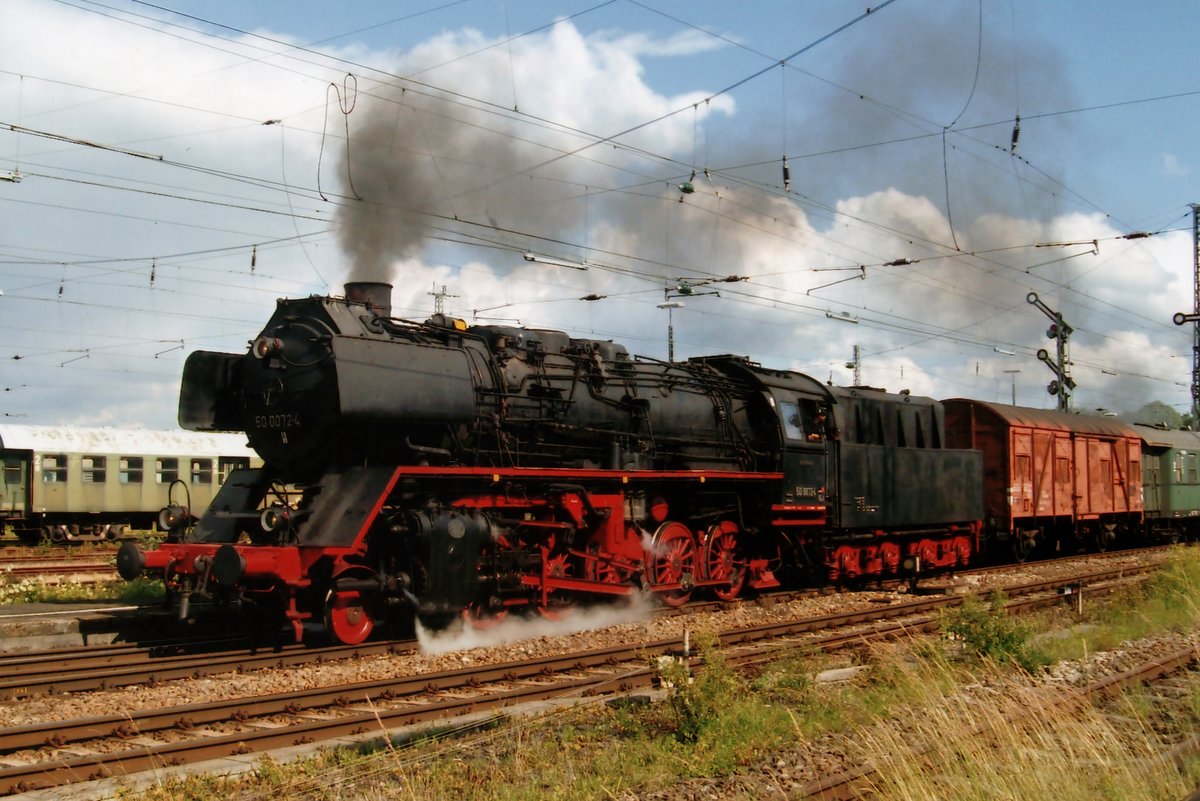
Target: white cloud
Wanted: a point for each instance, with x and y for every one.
(1175, 168)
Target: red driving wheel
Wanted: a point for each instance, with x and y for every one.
(672, 560)
(347, 616)
(724, 561)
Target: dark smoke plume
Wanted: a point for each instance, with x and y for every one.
(420, 163)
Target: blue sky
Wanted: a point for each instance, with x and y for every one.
(156, 214)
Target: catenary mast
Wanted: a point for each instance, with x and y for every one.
(1194, 317)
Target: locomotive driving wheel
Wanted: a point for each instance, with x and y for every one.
(347, 616)
(672, 560)
(724, 560)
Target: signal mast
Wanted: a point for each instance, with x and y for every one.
(1063, 384)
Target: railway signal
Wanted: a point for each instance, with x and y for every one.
(1060, 331)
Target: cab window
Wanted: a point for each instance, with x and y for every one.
(792, 427)
(816, 420)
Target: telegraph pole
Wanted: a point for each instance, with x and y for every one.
(1182, 317)
(1059, 331)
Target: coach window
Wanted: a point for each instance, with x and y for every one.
(227, 464)
(14, 471)
(93, 469)
(54, 468)
(166, 470)
(131, 470)
(202, 471)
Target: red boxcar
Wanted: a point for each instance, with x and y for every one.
(1051, 477)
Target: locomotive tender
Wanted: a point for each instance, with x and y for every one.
(441, 470)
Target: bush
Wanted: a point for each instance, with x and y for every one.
(695, 703)
(987, 632)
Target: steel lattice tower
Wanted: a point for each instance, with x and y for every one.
(1196, 314)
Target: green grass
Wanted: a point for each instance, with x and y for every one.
(1034, 749)
(39, 590)
(1168, 601)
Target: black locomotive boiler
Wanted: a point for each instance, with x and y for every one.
(439, 469)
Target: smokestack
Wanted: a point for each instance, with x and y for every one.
(376, 294)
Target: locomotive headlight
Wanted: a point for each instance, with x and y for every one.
(172, 517)
(275, 518)
(265, 347)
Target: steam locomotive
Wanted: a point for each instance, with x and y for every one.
(439, 470)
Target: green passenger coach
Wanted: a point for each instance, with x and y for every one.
(1171, 466)
(67, 483)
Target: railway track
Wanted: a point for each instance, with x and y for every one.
(53, 554)
(91, 566)
(23, 675)
(57, 753)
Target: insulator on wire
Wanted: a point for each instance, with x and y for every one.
(787, 176)
(1016, 134)
(153, 269)
(253, 258)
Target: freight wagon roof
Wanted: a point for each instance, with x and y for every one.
(1053, 420)
(1157, 437)
(74, 439)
